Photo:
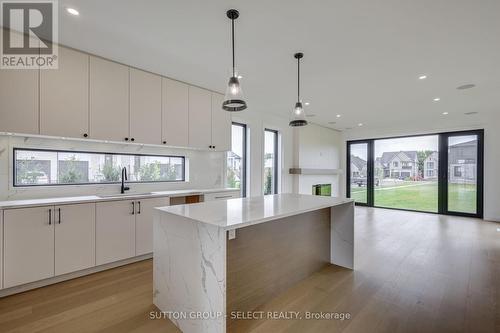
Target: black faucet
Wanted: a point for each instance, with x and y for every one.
(124, 178)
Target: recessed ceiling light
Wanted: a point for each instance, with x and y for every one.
(471, 113)
(360, 124)
(466, 86)
(445, 113)
(339, 115)
(307, 103)
(72, 11)
(436, 99)
(422, 77)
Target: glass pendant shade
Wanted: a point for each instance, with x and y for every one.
(298, 117)
(233, 100)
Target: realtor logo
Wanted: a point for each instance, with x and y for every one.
(29, 35)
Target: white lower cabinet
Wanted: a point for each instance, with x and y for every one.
(1, 249)
(28, 245)
(115, 231)
(74, 238)
(144, 223)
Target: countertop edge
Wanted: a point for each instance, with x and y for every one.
(40, 202)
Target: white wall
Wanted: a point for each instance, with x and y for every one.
(491, 155)
(317, 147)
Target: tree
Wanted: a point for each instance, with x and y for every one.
(421, 157)
(150, 172)
(70, 174)
(268, 181)
(110, 172)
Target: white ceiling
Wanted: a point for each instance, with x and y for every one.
(362, 57)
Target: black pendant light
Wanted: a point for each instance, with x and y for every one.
(233, 100)
(298, 117)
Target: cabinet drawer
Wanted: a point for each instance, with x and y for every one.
(221, 196)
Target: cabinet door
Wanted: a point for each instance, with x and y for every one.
(200, 118)
(175, 113)
(221, 124)
(115, 231)
(1, 249)
(19, 101)
(145, 107)
(109, 100)
(74, 238)
(144, 224)
(64, 96)
(29, 245)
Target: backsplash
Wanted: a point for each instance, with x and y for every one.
(203, 169)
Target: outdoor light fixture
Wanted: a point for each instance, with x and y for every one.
(233, 100)
(298, 117)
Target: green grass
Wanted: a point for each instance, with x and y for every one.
(423, 197)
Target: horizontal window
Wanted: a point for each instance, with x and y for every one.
(54, 167)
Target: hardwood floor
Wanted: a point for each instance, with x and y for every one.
(414, 273)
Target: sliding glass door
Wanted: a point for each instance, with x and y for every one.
(462, 190)
(439, 173)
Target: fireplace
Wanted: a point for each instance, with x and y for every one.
(322, 189)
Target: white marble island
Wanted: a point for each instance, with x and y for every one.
(214, 258)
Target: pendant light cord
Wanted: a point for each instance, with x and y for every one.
(298, 79)
(232, 33)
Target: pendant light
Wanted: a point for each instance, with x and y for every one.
(233, 100)
(298, 117)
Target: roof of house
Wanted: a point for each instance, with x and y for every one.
(358, 162)
(389, 155)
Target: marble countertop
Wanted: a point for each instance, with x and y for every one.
(241, 212)
(96, 198)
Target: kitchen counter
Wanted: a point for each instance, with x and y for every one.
(241, 212)
(221, 258)
(95, 198)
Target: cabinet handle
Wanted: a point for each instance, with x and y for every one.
(59, 213)
(126, 139)
(85, 135)
(164, 142)
(50, 216)
(223, 197)
(133, 207)
(139, 209)
(132, 139)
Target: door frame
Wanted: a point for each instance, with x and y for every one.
(369, 171)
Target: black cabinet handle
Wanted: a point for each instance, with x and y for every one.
(50, 216)
(85, 135)
(126, 139)
(132, 139)
(133, 207)
(59, 215)
(164, 142)
(139, 209)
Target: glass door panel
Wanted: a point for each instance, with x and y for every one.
(462, 174)
(359, 172)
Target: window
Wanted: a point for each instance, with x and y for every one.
(51, 167)
(237, 158)
(440, 173)
(270, 162)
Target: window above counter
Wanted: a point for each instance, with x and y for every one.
(37, 167)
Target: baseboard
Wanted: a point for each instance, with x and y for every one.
(73, 275)
(491, 219)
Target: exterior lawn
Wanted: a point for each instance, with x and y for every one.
(421, 196)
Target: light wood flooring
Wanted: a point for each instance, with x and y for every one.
(414, 273)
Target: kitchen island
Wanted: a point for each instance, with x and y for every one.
(216, 259)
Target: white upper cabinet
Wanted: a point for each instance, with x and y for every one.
(109, 100)
(28, 245)
(19, 101)
(175, 113)
(145, 107)
(200, 118)
(19, 92)
(74, 237)
(64, 96)
(221, 124)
